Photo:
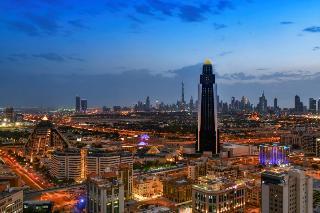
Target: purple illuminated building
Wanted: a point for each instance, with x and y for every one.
(273, 154)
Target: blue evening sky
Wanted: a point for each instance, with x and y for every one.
(106, 36)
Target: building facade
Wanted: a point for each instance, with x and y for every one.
(105, 193)
(212, 194)
(66, 164)
(286, 191)
(178, 190)
(11, 201)
(146, 187)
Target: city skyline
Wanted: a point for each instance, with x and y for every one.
(199, 106)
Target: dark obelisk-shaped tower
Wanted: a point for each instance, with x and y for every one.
(207, 138)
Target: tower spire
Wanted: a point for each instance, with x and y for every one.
(182, 93)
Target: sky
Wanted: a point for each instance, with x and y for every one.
(118, 52)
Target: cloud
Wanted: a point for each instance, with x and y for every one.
(144, 9)
(224, 5)
(125, 88)
(73, 58)
(23, 27)
(135, 19)
(262, 69)
(15, 57)
(313, 29)
(57, 58)
(315, 48)
(286, 22)
(219, 26)
(115, 5)
(46, 24)
(77, 23)
(166, 8)
(225, 53)
(190, 13)
(50, 57)
(159, 9)
(236, 76)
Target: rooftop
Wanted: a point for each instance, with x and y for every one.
(213, 184)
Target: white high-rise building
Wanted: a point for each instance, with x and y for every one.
(105, 193)
(288, 191)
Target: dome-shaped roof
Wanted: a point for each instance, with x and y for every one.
(208, 62)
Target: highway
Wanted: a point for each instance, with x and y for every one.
(30, 178)
(31, 194)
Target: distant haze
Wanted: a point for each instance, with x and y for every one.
(126, 88)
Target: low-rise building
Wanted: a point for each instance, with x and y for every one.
(178, 190)
(230, 150)
(43, 206)
(213, 194)
(146, 187)
(11, 201)
(197, 168)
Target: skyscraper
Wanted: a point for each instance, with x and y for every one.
(78, 106)
(319, 105)
(207, 138)
(84, 105)
(298, 105)
(148, 105)
(182, 93)
(191, 104)
(275, 103)
(262, 105)
(182, 102)
(312, 105)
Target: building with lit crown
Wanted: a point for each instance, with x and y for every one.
(207, 137)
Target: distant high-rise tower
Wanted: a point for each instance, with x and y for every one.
(298, 105)
(275, 104)
(262, 106)
(148, 105)
(207, 140)
(182, 93)
(84, 105)
(319, 105)
(78, 106)
(312, 105)
(191, 105)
